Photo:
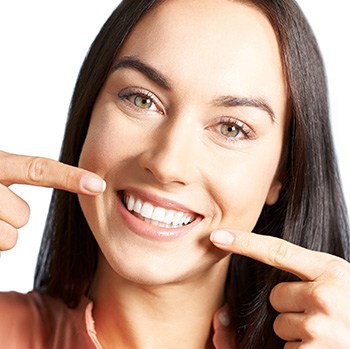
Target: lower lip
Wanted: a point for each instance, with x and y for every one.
(150, 231)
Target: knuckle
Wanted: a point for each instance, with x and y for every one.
(280, 322)
(339, 269)
(13, 209)
(320, 297)
(279, 253)
(313, 327)
(36, 169)
(68, 178)
(275, 294)
(277, 325)
(23, 215)
(8, 236)
(245, 245)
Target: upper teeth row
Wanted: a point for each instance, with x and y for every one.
(160, 214)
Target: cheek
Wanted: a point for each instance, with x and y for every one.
(241, 191)
(104, 144)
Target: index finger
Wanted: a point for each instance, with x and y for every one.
(279, 253)
(44, 172)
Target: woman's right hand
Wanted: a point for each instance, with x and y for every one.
(19, 169)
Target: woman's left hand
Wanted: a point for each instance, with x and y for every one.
(313, 312)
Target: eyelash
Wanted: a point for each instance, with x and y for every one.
(241, 127)
(138, 92)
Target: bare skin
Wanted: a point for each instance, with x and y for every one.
(37, 171)
(314, 312)
(187, 115)
(308, 309)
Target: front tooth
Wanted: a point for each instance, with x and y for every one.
(130, 202)
(158, 214)
(147, 210)
(169, 216)
(138, 206)
(178, 218)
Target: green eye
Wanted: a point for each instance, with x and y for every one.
(143, 102)
(229, 130)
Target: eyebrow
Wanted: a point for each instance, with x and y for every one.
(225, 101)
(237, 101)
(152, 73)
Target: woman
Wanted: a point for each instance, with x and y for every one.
(199, 116)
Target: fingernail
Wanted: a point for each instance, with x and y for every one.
(93, 184)
(224, 318)
(222, 237)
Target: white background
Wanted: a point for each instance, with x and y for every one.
(43, 44)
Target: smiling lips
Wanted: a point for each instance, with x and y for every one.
(155, 215)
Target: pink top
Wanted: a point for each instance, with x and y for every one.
(38, 321)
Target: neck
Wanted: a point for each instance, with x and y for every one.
(129, 315)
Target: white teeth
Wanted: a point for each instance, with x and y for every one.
(178, 218)
(131, 203)
(158, 216)
(137, 207)
(187, 220)
(169, 216)
(147, 210)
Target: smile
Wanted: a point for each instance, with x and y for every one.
(156, 215)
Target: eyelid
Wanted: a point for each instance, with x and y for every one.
(133, 91)
(243, 127)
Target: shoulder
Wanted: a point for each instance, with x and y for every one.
(26, 319)
(18, 319)
(33, 305)
(14, 305)
(36, 320)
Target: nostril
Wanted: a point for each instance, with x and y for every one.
(166, 163)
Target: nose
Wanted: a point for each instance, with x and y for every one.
(170, 156)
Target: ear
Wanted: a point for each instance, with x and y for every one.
(273, 193)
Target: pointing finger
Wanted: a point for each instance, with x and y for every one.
(38, 171)
(281, 254)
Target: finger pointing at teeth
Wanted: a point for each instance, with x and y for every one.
(37, 171)
(310, 307)
(281, 254)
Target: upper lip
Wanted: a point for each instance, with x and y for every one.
(156, 200)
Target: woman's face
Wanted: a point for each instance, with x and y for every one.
(187, 132)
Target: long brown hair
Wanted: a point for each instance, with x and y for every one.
(310, 212)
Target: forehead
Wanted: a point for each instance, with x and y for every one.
(223, 43)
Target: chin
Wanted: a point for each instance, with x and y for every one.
(149, 266)
(137, 249)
